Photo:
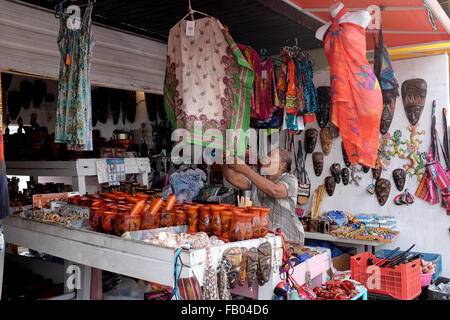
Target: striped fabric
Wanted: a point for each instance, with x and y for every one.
(190, 288)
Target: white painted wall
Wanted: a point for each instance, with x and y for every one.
(421, 223)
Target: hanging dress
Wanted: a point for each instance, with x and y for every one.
(266, 104)
(208, 83)
(254, 61)
(309, 90)
(74, 106)
(4, 197)
(355, 91)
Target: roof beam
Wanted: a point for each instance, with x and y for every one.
(307, 20)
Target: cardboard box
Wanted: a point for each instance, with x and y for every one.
(42, 201)
(342, 262)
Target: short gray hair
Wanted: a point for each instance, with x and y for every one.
(286, 157)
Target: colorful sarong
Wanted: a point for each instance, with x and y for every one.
(355, 91)
(209, 82)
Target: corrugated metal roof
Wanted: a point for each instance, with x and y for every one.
(259, 23)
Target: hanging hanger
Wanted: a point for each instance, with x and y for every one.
(263, 54)
(191, 13)
(59, 10)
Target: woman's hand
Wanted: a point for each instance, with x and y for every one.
(238, 165)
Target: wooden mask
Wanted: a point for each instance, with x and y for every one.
(414, 93)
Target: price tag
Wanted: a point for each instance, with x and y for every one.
(190, 28)
(264, 74)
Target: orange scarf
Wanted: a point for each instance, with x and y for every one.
(355, 91)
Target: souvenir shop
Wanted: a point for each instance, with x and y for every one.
(224, 150)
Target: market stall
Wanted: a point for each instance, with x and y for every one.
(342, 142)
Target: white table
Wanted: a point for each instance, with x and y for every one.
(137, 259)
(329, 237)
(77, 169)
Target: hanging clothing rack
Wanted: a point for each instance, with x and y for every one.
(59, 10)
(191, 13)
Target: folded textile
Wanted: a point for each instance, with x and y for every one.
(337, 217)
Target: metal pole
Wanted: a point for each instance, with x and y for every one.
(439, 13)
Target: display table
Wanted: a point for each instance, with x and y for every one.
(329, 237)
(132, 258)
(317, 266)
(77, 169)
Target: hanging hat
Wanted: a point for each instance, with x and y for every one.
(130, 102)
(115, 97)
(152, 102)
(14, 104)
(103, 96)
(6, 80)
(95, 107)
(39, 92)
(26, 92)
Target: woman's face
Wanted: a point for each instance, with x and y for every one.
(270, 165)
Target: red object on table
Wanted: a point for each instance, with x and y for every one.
(401, 282)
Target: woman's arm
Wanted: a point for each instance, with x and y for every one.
(275, 190)
(235, 178)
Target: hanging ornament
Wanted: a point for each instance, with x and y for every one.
(404, 198)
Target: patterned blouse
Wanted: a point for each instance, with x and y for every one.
(282, 211)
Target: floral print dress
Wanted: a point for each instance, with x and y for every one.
(74, 108)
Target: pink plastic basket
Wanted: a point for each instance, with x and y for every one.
(425, 278)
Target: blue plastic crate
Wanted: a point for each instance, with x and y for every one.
(434, 257)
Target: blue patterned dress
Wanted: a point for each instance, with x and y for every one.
(74, 108)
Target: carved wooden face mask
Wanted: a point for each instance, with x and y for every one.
(382, 190)
(376, 173)
(414, 92)
(310, 140)
(323, 115)
(334, 131)
(326, 140)
(336, 172)
(344, 155)
(399, 176)
(330, 185)
(386, 116)
(365, 169)
(345, 173)
(318, 163)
